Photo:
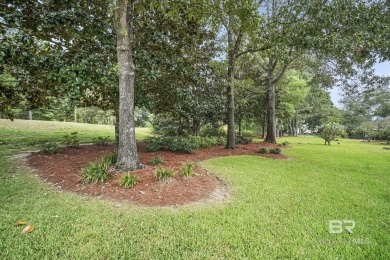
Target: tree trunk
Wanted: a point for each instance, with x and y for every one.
(30, 114)
(127, 147)
(263, 125)
(239, 126)
(230, 142)
(75, 114)
(195, 127)
(117, 125)
(271, 110)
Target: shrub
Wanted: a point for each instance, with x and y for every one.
(95, 172)
(101, 140)
(285, 143)
(203, 142)
(221, 140)
(183, 144)
(50, 148)
(170, 143)
(163, 174)
(156, 161)
(210, 130)
(263, 150)
(72, 140)
(128, 180)
(153, 145)
(240, 139)
(110, 159)
(329, 131)
(275, 150)
(187, 169)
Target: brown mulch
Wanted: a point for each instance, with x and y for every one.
(63, 170)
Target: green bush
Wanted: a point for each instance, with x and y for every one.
(285, 143)
(275, 150)
(128, 180)
(153, 145)
(72, 140)
(163, 174)
(263, 150)
(187, 169)
(329, 131)
(183, 144)
(214, 131)
(221, 140)
(156, 161)
(171, 143)
(95, 172)
(50, 148)
(100, 140)
(240, 139)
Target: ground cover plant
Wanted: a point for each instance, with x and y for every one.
(128, 180)
(279, 209)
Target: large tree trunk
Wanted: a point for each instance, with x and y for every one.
(271, 110)
(230, 142)
(127, 147)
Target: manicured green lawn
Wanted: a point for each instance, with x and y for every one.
(279, 209)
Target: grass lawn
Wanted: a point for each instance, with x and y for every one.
(279, 208)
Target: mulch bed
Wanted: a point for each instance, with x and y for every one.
(63, 170)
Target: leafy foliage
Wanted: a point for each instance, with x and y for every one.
(128, 180)
(182, 144)
(240, 139)
(50, 148)
(95, 172)
(275, 150)
(163, 174)
(187, 169)
(371, 130)
(263, 150)
(110, 159)
(72, 140)
(285, 143)
(156, 161)
(102, 141)
(329, 132)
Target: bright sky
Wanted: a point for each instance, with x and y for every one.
(381, 69)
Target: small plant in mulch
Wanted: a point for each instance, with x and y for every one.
(275, 150)
(72, 140)
(156, 161)
(263, 150)
(187, 170)
(110, 159)
(128, 180)
(95, 172)
(101, 141)
(285, 143)
(50, 148)
(163, 174)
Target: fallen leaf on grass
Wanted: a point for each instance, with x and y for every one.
(19, 223)
(28, 229)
